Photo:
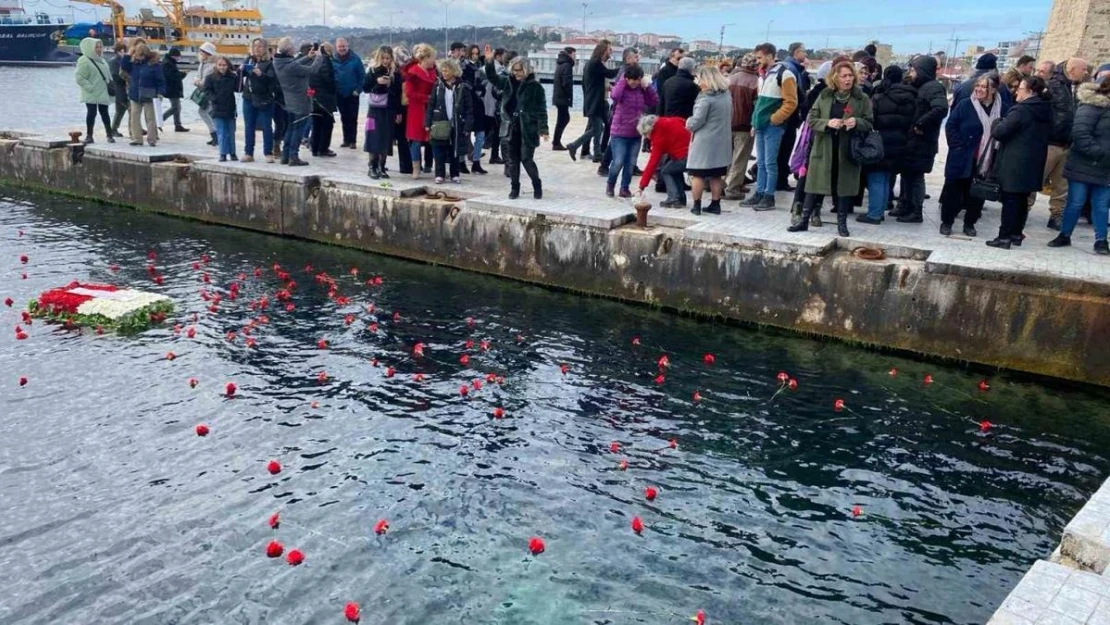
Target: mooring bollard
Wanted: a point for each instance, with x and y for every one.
(642, 207)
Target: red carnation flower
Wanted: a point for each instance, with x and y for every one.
(674, 443)
(983, 386)
(783, 377)
(8, 302)
(697, 397)
(699, 618)
(389, 371)
(396, 317)
(623, 466)
(637, 525)
(615, 447)
(664, 362)
(857, 511)
(274, 549)
(564, 368)
(792, 384)
(23, 380)
(381, 527)
(202, 430)
(536, 546)
(311, 92)
(709, 359)
(838, 405)
(498, 413)
(464, 360)
(893, 372)
(230, 389)
(373, 327)
(464, 390)
(928, 379)
(275, 520)
(635, 340)
(295, 557)
(351, 611)
(650, 493)
(659, 379)
(193, 382)
(23, 259)
(477, 385)
(470, 321)
(419, 377)
(985, 425)
(274, 467)
(322, 377)
(469, 344)
(321, 344)
(418, 350)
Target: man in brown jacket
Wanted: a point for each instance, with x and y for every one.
(743, 84)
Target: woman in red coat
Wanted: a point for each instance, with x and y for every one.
(669, 138)
(420, 78)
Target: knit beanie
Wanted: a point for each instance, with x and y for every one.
(987, 62)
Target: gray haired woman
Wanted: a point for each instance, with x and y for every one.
(711, 138)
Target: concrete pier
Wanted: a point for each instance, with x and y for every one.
(1033, 308)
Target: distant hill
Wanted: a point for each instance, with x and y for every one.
(365, 40)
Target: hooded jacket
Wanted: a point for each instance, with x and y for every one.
(350, 74)
(564, 81)
(1023, 136)
(293, 75)
(931, 108)
(1064, 93)
(93, 74)
(1089, 157)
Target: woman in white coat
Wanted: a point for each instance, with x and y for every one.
(207, 56)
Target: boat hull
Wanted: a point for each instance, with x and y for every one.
(32, 44)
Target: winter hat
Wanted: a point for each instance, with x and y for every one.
(1105, 67)
(208, 48)
(987, 62)
(824, 70)
(748, 61)
(893, 74)
(174, 51)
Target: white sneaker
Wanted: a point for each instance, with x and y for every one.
(439, 180)
(456, 180)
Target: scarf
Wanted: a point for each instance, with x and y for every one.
(986, 155)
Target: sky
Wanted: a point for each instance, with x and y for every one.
(911, 26)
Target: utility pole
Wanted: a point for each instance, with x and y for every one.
(767, 37)
(1036, 35)
(955, 48)
(585, 5)
(446, 3)
(324, 4)
(391, 14)
(721, 43)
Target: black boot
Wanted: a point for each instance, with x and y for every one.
(803, 222)
(514, 191)
(697, 207)
(911, 217)
(842, 223)
(714, 207)
(537, 189)
(375, 173)
(462, 167)
(214, 140)
(901, 210)
(477, 168)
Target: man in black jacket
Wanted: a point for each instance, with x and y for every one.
(679, 92)
(594, 106)
(921, 150)
(325, 102)
(175, 88)
(1063, 85)
(669, 69)
(563, 96)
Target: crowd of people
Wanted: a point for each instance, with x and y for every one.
(853, 130)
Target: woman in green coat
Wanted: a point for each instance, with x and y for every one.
(93, 77)
(523, 121)
(841, 109)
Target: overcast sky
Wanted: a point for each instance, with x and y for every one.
(910, 25)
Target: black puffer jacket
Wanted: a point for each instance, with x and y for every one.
(461, 118)
(175, 78)
(594, 76)
(1063, 106)
(1089, 157)
(564, 81)
(932, 107)
(679, 93)
(894, 107)
(1022, 137)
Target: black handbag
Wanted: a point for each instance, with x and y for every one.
(985, 188)
(107, 83)
(867, 148)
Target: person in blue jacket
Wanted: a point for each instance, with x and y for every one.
(970, 152)
(148, 82)
(350, 75)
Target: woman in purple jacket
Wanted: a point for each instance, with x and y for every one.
(631, 97)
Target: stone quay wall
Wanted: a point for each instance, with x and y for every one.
(1036, 323)
(1078, 28)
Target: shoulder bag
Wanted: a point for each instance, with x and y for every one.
(867, 147)
(985, 188)
(199, 97)
(379, 100)
(107, 83)
(441, 131)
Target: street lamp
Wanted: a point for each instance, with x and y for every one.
(767, 37)
(721, 43)
(585, 5)
(391, 14)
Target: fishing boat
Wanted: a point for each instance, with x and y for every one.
(31, 38)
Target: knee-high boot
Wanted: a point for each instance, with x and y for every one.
(842, 221)
(803, 223)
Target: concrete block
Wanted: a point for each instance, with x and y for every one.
(592, 213)
(45, 142)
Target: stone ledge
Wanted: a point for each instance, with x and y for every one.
(133, 153)
(46, 142)
(558, 211)
(286, 174)
(1086, 540)
(1054, 594)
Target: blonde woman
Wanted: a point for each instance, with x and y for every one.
(448, 120)
(524, 109)
(383, 83)
(147, 83)
(710, 128)
(419, 80)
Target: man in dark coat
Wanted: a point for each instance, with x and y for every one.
(921, 150)
(294, 76)
(563, 96)
(119, 81)
(175, 88)
(1063, 85)
(594, 105)
(680, 91)
(669, 69)
(325, 102)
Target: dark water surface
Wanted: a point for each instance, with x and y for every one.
(114, 511)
